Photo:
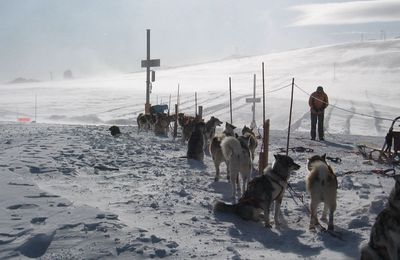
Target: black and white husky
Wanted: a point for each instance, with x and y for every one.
(262, 191)
(384, 242)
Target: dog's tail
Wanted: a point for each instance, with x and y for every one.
(220, 206)
(246, 212)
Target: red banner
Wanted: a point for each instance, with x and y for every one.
(24, 119)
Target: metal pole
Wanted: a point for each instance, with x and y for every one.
(290, 118)
(148, 71)
(230, 97)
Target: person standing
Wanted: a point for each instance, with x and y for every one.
(318, 102)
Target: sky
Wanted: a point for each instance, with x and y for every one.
(99, 37)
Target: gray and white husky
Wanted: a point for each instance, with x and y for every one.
(262, 191)
(321, 183)
(384, 242)
(237, 155)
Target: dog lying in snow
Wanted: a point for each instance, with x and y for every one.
(262, 191)
(114, 131)
(384, 242)
(322, 185)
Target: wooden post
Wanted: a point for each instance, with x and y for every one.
(169, 104)
(263, 158)
(230, 98)
(176, 122)
(290, 118)
(195, 104)
(200, 115)
(147, 105)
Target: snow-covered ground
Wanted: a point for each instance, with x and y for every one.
(74, 192)
(80, 193)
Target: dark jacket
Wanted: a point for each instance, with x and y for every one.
(318, 102)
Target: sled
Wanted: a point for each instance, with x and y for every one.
(392, 142)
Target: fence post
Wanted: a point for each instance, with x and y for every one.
(230, 98)
(176, 122)
(290, 118)
(200, 115)
(195, 104)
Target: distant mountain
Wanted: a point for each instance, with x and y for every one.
(20, 80)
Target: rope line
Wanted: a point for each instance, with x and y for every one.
(343, 109)
(275, 90)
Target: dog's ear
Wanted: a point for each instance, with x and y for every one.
(276, 156)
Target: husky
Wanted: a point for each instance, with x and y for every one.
(209, 132)
(145, 121)
(262, 191)
(115, 131)
(321, 183)
(229, 129)
(248, 132)
(384, 242)
(216, 151)
(237, 156)
(187, 124)
(196, 142)
(161, 125)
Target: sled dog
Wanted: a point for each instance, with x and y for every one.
(187, 124)
(115, 131)
(229, 129)
(322, 185)
(145, 121)
(237, 156)
(216, 151)
(210, 130)
(246, 131)
(196, 142)
(262, 191)
(384, 242)
(161, 125)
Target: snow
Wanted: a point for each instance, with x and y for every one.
(72, 191)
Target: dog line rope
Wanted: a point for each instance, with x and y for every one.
(343, 109)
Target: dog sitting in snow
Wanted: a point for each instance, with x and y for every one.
(262, 191)
(237, 155)
(114, 131)
(187, 124)
(196, 142)
(321, 183)
(216, 151)
(384, 242)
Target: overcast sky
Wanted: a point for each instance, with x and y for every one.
(102, 36)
